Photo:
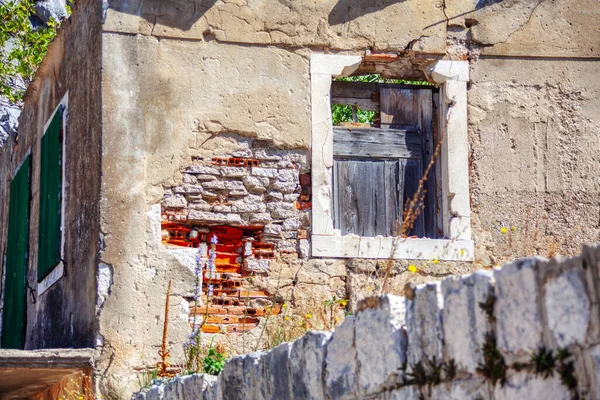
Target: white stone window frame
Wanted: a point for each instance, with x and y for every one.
(452, 76)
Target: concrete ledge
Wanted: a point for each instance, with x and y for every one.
(47, 358)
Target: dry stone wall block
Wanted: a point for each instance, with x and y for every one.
(380, 336)
(208, 218)
(567, 308)
(306, 365)
(405, 393)
(231, 379)
(465, 322)
(257, 265)
(202, 170)
(254, 377)
(277, 371)
(341, 369)
(424, 325)
(472, 388)
(519, 327)
(524, 385)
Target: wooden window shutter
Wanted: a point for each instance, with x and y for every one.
(13, 318)
(376, 171)
(50, 236)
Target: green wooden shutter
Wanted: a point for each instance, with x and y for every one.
(50, 236)
(13, 317)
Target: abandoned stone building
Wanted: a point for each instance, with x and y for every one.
(160, 136)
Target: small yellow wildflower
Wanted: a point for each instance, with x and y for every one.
(336, 320)
(462, 252)
(513, 228)
(412, 268)
(287, 318)
(436, 261)
(344, 302)
(503, 230)
(284, 305)
(308, 316)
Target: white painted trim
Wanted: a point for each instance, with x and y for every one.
(50, 279)
(59, 270)
(326, 242)
(353, 246)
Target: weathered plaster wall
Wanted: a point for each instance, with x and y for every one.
(187, 81)
(63, 316)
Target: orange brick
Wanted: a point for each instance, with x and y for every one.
(210, 329)
(222, 319)
(211, 310)
(240, 328)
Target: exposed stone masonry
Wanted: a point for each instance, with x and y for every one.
(528, 330)
(257, 203)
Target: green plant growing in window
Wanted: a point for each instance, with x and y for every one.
(22, 48)
(214, 361)
(343, 113)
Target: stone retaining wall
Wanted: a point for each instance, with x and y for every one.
(527, 330)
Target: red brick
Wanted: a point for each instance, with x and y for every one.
(240, 328)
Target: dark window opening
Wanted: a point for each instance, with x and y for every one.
(384, 137)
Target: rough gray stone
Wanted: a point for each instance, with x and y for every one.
(265, 172)
(405, 393)
(524, 385)
(190, 178)
(266, 155)
(176, 201)
(51, 9)
(274, 196)
(231, 379)
(244, 207)
(155, 393)
(206, 177)
(304, 248)
(272, 230)
(234, 172)
(203, 170)
(288, 175)
(254, 377)
(519, 327)
(277, 371)
(306, 365)
(186, 188)
(201, 217)
(567, 308)
(424, 324)
(9, 123)
(379, 336)
(341, 369)
(292, 224)
(214, 185)
(257, 265)
(246, 153)
(472, 388)
(234, 185)
(285, 187)
(260, 218)
(465, 323)
(282, 210)
(221, 208)
(256, 184)
(290, 198)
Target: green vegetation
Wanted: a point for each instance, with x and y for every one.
(343, 113)
(214, 361)
(22, 48)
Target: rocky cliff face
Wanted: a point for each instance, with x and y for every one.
(44, 11)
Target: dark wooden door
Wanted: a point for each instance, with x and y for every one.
(13, 315)
(378, 170)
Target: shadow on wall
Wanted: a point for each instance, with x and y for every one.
(178, 14)
(348, 10)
